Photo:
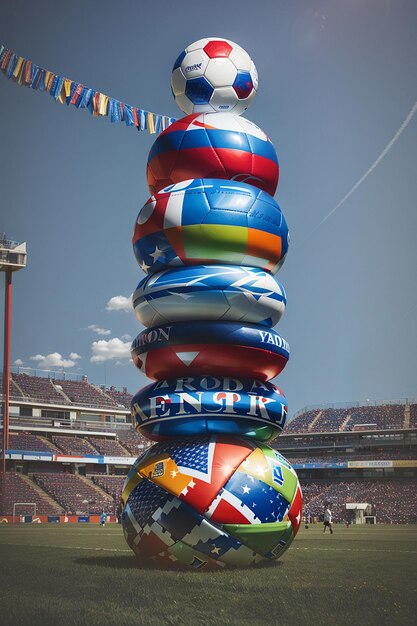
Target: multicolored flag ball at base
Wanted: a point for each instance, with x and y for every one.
(211, 502)
(211, 493)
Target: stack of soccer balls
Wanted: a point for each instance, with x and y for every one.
(210, 239)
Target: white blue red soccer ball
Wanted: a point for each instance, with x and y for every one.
(214, 75)
(210, 221)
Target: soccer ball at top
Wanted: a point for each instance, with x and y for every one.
(214, 75)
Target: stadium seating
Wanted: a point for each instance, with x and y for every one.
(113, 485)
(18, 489)
(27, 441)
(330, 420)
(374, 454)
(108, 447)
(381, 417)
(74, 445)
(393, 501)
(133, 441)
(84, 394)
(75, 494)
(413, 415)
(37, 388)
(122, 398)
(386, 416)
(301, 423)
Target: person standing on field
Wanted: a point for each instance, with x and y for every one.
(103, 519)
(328, 519)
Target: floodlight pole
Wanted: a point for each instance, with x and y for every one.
(12, 259)
(6, 363)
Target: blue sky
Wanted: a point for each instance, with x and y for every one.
(337, 79)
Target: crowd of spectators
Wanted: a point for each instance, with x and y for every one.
(330, 420)
(36, 388)
(385, 416)
(388, 455)
(413, 415)
(29, 442)
(82, 393)
(393, 501)
(108, 447)
(113, 485)
(301, 423)
(18, 489)
(74, 493)
(133, 441)
(381, 417)
(122, 398)
(74, 445)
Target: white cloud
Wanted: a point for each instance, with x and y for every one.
(74, 356)
(119, 303)
(126, 338)
(107, 350)
(18, 362)
(98, 330)
(52, 360)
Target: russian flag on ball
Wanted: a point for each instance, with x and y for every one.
(210, 348)
(213, 145)
(210, 221)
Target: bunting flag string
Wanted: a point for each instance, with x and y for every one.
(65, 90)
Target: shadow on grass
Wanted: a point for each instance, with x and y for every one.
(115, 562)
(130, 562)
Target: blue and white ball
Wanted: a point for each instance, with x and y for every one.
(210, 292)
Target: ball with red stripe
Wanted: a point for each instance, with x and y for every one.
(213, 145)
(214, 75)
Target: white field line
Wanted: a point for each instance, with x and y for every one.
(31, 545)
(41, 545)
(355, 550)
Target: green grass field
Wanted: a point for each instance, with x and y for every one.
(78, 574)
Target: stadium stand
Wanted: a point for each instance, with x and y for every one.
(74, 445)
(108, 447)
(330, 420)
(85, 394)
(37, 388)
(386, 455)
(383, 495)
(413, 415)
(381, 417)
(27, 441)
(18, 490)
(301, 423)
(133, 441)
(75, 494)
(112, 485)
(122, 398)
(385, 417)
